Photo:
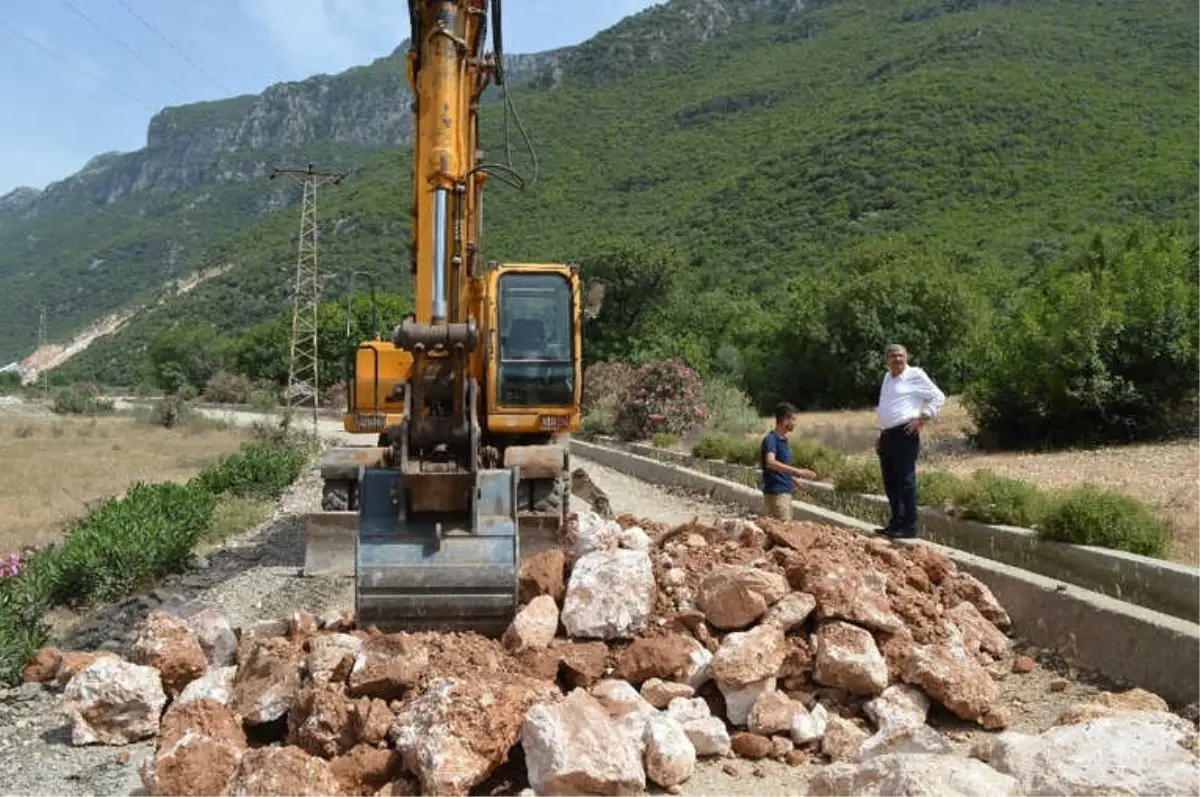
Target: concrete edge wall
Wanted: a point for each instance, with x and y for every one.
(1125, 642)
(1153, 583)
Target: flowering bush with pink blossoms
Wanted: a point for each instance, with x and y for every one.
(605, 383)
(664, 396)
(604, 386)
(10, 565)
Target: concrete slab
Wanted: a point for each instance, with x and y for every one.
(1122, 640)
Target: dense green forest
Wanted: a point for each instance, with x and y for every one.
(782, 200)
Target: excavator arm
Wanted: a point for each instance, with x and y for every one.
(473, 472)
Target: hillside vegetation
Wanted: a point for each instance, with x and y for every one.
(802, 187)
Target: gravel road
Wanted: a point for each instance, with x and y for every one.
(256, 576)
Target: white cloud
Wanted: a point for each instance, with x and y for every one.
(330, 35)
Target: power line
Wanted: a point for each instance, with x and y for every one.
(170, 44)
(128, 49)
(76, 65)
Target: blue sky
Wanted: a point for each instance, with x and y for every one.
(82, 77)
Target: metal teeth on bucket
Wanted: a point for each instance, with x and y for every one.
(417, 574)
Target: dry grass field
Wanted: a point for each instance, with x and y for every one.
(51, 468)
(1166, 475)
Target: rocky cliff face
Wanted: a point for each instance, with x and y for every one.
(650, 37)
(361, 109)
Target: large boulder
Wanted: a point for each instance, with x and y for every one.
(609, 595)
(167, 644)
(1131, 752)
(112, 701)
(456, 732)
(574, 747)
(283, 770)
(199, 747)
(267, 682)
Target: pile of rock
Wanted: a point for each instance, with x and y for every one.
(637, 651)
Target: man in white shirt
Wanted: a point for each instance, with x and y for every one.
(908, 398)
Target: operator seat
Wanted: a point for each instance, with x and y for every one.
(526, 338)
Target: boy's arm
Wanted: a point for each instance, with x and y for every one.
(775, 465)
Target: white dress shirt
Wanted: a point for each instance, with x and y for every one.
(902, 398)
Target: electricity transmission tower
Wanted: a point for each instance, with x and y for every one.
(303, 383)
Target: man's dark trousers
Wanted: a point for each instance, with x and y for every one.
(898, 460)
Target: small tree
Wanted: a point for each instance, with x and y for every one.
(186, 357)
(1102, 349)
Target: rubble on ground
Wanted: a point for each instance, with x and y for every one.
(638, 652)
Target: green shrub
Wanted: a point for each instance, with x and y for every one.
(130, 541)
(712, 446)
(226, 388)
(744, 451)
(258, 470)
(816, 456)
(937, 488)
(263, 400)
(81, 399)
(730, 410)
(24, 601)
(171, 412)
(806, 453)
(664, 440)
(990, 498)
(597, 421)
(1091, 516)
(858, 476)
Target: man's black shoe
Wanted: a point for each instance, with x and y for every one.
(884, 530)
(900, 534)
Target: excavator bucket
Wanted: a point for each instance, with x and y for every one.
(443, 571)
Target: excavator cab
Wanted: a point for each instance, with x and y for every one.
(537, 364)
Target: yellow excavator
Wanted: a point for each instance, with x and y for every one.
(474, 395)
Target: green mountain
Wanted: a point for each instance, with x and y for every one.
(761, 138)
(116, 234)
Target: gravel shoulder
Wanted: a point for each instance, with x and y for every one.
(256, 576)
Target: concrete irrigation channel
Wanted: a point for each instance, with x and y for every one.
(1070, 655)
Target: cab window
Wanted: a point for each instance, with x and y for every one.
(537, 366)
